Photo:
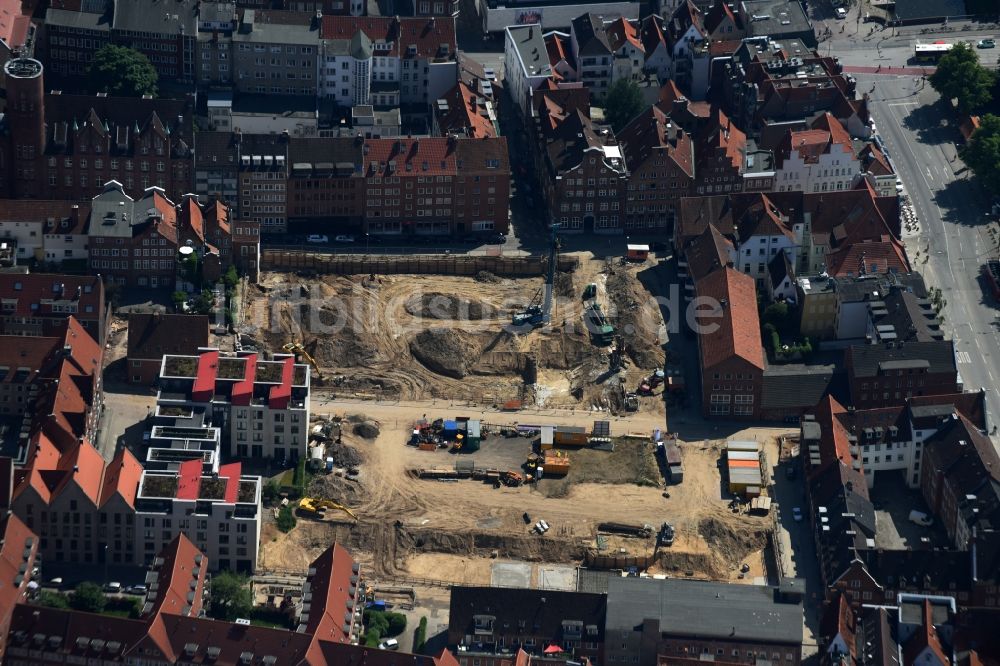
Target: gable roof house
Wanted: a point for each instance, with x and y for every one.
(660, 159)
(730, 353)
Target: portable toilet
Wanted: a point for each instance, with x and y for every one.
(473, 436)
(547, 437)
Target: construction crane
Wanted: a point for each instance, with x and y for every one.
(297, 348)
(539, 314)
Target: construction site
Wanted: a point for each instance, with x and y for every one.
(418, 513)
(445, 470)
(483, 338)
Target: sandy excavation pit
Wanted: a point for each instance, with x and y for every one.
(423, 336)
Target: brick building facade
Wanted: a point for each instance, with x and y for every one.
(67, 146)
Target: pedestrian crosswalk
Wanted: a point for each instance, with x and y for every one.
(963, 357)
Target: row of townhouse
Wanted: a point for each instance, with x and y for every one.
(402, 186)
(131, 242)
(352, 60)
(171, 626)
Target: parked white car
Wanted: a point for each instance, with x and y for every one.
(317, 238)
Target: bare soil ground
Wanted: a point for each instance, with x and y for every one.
(417, 336)
(449, 531)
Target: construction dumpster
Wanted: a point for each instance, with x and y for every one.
(570, 436)
(555, 464)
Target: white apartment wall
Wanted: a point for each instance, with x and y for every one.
(220, 534)
(257, 431)
(516, 78)
(757, 252)
(27, 235)
(898, 456)
(60, 247)
(834, 171)
(659, 62)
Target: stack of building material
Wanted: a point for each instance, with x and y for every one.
(743, 465)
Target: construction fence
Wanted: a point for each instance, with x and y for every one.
(338, 264)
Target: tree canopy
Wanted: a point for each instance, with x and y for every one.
(88, 597)
(982, 152)
(960, 76)
(231, 596)
(624, 102)
(122, 72)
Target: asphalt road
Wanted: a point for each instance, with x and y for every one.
(955, 235)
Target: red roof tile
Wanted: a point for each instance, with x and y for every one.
(231, 473)
(33, 289)
(622, 31)
(834, 436)
(243, 390)
(736, 324)
(332, 598)
(189, 479)
(204, 383)
(653, 135)
(183, 564)
(122, 478)
(868, 257)
(427, 156)
(426, 34)
(465, 114)
(925, 638)
(282, 393)
(16, 539)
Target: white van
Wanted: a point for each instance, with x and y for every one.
(921, 518)
(389, 644)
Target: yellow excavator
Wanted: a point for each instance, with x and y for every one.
(315, 507)
(297, 348)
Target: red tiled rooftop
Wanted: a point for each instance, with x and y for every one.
(737, 332)
(231, 473)
(427, 156)
(189, 480)
(204, 382)
(122, 477)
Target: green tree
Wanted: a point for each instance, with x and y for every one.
(776, 314)
(982, 152)
(270, 492)
(52, 599)
(178, 297)
(122, 72)
(286, 519)
(230, 278)
(624, 102)
(420, 636)
(960, 76)
(88, 597)
(231, 596)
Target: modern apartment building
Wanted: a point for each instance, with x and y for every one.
(219, 513)
(261, 406)
(263, 179)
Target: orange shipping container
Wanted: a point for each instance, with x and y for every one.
(744, 463)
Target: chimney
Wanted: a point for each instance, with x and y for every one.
(680, 105)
